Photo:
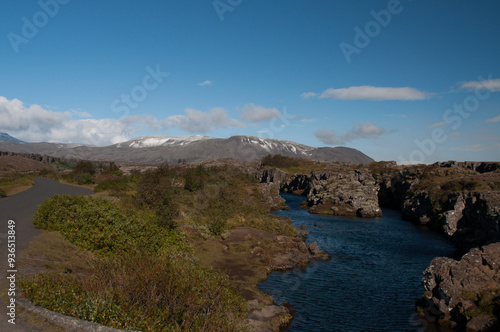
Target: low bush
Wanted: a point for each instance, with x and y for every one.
(143, 292)
(100, 226)
(279, 161)
(2, 193)
(195, 178)
(83, 172)
(460, 185)
(117, 185)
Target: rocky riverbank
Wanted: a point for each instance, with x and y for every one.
(464, 294)
(461, 201)
(248, 256)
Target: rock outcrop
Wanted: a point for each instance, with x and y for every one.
(477, 166)
(271, 175)
(297, 254)
(468, 218)
(350, 193)
(270, 196)
(459, 200)
(464, 294)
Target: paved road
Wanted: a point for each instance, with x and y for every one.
(21, 208)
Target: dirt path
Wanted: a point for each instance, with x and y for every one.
(20, 208)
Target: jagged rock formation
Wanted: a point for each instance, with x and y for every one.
(464, 294)
(37, 157)
(270, 196)
(467, 218)
(478, 166)
(350, 193)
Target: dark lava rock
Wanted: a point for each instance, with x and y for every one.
(464, 294)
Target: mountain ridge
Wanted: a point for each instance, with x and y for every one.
(171, 149)
(4, 137)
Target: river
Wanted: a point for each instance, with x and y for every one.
(372, 281)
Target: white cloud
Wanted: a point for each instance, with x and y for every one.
(201, 122)
(34, 124)
(206, 83)
(328, 137)
(439, 124)
(364, 130)
(494, 120)
(367, 92)
(307, 95)
(16, 117)
(91, 131)
(256, 113)
(490, 84)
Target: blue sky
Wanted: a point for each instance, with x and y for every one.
(399, 80)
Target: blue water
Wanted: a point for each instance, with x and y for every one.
(372, 281)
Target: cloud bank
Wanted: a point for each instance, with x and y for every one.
(256, 113)
(367, 92)
(35, 124)
(364, 130)
(490, 84)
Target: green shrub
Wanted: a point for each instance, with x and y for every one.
(2, 193)
(195, 178)
(279, 161)
(144, 292)
(460, 185)
(98, 225)
(83, 178)
(16, 179)
(83, 173)
(117, 185)
(111, 168)
(154, 184)
(168, 210)
(84, 167)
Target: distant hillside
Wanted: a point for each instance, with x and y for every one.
(159, 149)
(4, 137)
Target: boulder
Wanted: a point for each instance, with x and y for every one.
(464, 293)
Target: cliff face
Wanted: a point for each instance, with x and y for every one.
(459, 200)
(464, 294)
(350, 193)
(454, 199)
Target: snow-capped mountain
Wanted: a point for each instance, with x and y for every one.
(160, 149)
(273, 145)
(152, 141)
